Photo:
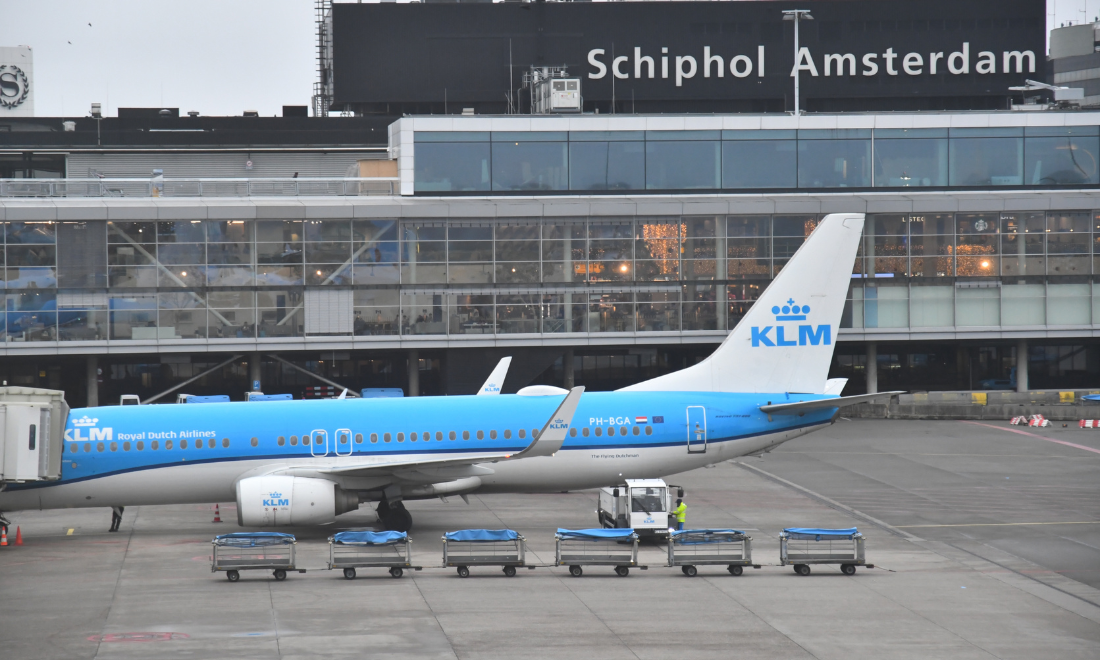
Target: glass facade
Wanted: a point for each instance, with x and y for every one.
(690, 160)
(226, 279)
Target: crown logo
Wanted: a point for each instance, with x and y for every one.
(86, 421)
(791, 311)
(275, 495)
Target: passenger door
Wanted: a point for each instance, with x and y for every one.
(696, 429)
(343, 442)
(319, 446)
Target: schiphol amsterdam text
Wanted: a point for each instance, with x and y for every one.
(890, 63)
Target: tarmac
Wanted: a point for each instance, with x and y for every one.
(985, 542)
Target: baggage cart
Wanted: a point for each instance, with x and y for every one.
(251, 551)
(802, 546)
(348, 551)
(577, 548)
(484, 547)
(690, 548)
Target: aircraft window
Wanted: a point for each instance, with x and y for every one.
(452, 435)
(343, 438)
(649, 430)
(99, 446)
(212, 443)
(282, 441)
(183, 444)
(522, 433)
(114, 446)
(585, 431)
(167, 444)
(255, 442)
(225, 442)
(401, 437)
(493, 434)
(87, 447)
(293, 441)
(413, 436)
(622, 430)
(374, 437)
(465, 435)
(481, 435)
(573, 433)
(75, 448)
(358, 438)
(637, 430)
(439, 436)
(611, 430)
(507, 434)
(140, 445)
(154, 445)
(306, 440)
(386, 437)
(599, 431)
(534, 433)
(126, 446)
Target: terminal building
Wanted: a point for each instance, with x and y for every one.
(456, 215)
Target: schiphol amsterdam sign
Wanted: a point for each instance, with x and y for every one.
(709, 64)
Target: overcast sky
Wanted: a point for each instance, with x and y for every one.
(219, 57)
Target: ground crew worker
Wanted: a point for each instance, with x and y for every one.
(681, 512)
(116, 517)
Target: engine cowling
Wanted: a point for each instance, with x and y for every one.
(276, 501)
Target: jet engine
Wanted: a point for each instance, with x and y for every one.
(272, 501)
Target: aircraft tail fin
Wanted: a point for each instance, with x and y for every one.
(495, 381)
(785, 342)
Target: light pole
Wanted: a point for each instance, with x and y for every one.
(796, 15)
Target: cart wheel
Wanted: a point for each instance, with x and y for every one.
(396, 571)
(280, 574)
(233, 575)
(684, 570)
(735, 570)
(576, 571)
(463, 572)
(802, 569)
(623, 571)
(690, 571)
(848, 569)
(349, 573)
(510, 571)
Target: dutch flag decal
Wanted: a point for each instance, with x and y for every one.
(641, 420)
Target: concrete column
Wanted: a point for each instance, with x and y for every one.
(567, 368)
(91, 375)
(254, 378)
(414, 373)
(871, 370)
(1021, 366)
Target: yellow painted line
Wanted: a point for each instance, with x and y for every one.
(1076, 522)
(70, 532)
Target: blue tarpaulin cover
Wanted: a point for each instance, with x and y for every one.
(254, 538)
(698, 536)
(1091, 397)
(370, 538)
(482, 535)
(814, 534)
(595, 534)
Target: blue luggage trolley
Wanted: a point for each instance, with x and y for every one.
(352, 550)
(484, 547)
(689, 548)
(576, 548)
(802, 546)
(246, 551)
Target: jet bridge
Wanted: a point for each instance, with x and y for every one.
(32, 428)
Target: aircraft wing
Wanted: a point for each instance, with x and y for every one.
(800, 407)
(496, 379)
(548, 441)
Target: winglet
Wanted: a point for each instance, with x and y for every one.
(496, 379)
(553, 433)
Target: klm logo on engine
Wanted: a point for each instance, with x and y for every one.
(276, 499)
(792, 335)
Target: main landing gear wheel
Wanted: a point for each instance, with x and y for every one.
(463, 572)
(233, 575)
(735, 570)
(623, 571)
(802, 569)
(510, 571)
(396, 572)
(690, 571)
(848, 569)
(280, 574)
(349, 573)
(576, 571)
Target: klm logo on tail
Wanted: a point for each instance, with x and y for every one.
(785, 335)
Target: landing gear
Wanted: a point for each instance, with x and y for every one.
(394, 517)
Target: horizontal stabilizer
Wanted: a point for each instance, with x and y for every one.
(552, 435)
(799, 407)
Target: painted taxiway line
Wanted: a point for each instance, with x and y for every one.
(1074, 522)
(1034, 435)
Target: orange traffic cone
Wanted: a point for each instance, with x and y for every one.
(217, 514)
(18, 536)
(3, 535)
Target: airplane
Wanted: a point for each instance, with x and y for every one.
(306, 462)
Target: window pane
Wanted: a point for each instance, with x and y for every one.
(530, 166)
(451, 166)
(683, 165)
(740, 298)
(138, 232)
(1061, 160)
(759, 164)
(910, 163)
(30, 232)
(518, 250)
(517, 271)
(278, 253)
(181, 231)
(611, 312)
(1023, 304)
(279, 231)
(221, 231)
(834, 163)
(181, 253)
(748, 226)
(987, 161)
(228, 253)
(658, 311)
(606, 166)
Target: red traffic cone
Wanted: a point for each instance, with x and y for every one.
(217, 514)
(18, 536)
(3, 536)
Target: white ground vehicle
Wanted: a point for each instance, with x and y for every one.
(641, 504)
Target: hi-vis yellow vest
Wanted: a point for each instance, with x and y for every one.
(681, 512)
